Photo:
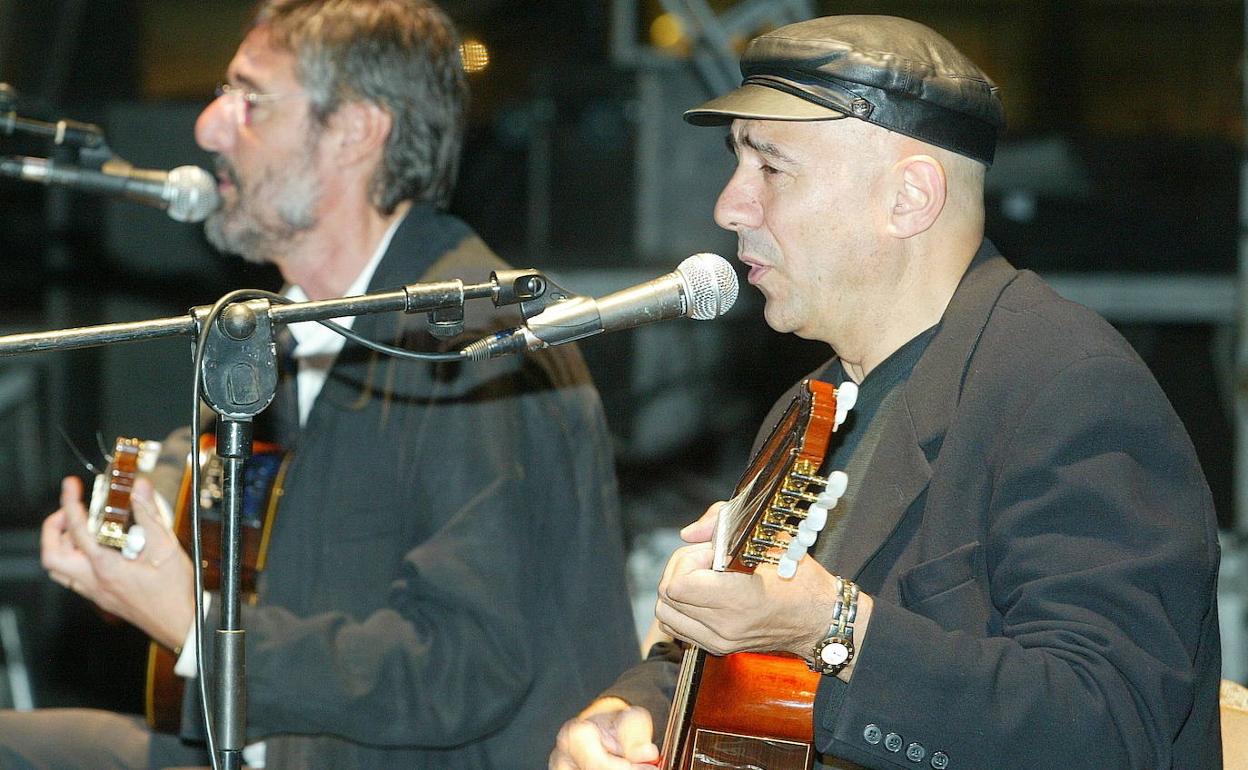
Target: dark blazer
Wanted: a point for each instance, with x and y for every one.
(1041, 546)
(445, 580)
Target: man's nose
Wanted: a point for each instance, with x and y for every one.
(737, 207)
(216, 127)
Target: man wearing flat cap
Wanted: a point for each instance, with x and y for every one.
(1022, 570)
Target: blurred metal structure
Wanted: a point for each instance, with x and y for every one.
(19, 572)
(24, 440)
(1233, 577)
(712, 35)
(677, 172)
(1241, 358)
(16, 692)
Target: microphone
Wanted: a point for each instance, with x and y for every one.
(187, 193)
(701, 287)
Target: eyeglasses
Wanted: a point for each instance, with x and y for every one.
(244, 101)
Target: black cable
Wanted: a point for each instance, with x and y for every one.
(380, 347)
(196, 544)
(390, 350)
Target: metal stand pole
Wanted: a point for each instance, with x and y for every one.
(233, 447)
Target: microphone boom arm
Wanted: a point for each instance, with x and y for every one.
(412, 298)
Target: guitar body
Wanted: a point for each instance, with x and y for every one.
(263, 473)
(752, 710)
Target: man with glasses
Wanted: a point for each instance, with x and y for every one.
(444, 580)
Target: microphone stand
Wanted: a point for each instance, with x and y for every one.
(239, 380)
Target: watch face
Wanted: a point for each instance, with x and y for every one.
(834, 653)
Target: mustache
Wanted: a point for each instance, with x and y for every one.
(748, 244)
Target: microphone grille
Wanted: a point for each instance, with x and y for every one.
(192, 194)
(711, 283)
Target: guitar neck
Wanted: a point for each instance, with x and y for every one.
(110, 515)
(679, 718)
(749, 709)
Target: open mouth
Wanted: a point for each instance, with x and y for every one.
(757, 271)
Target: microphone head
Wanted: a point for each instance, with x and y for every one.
(192, 194)
(710, 283)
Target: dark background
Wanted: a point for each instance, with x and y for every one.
(1122, 156)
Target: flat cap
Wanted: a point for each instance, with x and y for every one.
(891, 72)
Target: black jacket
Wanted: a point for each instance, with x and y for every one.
(1042, 549)
(445, 579)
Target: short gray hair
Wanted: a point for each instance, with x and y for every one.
(402, 55)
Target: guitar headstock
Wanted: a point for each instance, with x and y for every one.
(782, 502)
(110, 517)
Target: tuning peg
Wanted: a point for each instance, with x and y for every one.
(846, 397)
(149, 453)
(786, 567)
(816, 517)
(805, 535)
(136, 539)
(838, 482)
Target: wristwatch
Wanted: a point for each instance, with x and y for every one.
(835, 651)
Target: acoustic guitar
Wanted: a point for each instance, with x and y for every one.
(754, 710)
(112, 521)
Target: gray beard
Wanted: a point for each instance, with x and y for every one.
(239, 229)
(232, 232)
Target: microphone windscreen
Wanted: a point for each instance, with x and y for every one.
(712, 285)
(192, 194)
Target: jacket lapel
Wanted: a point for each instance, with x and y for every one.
(914, 429)
(423, 236)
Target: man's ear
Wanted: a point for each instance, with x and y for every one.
(918, 196)
(361, 129)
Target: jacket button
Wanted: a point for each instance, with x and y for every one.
(915, 752)
(940, 760)
(892, 742)
(872, 734)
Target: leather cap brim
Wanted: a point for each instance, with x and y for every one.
(755, 102)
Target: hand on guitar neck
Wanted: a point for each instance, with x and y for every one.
(752, 606)
(155, 591)
(727, 612)
(722, 612)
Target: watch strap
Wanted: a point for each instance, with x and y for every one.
(835, 650)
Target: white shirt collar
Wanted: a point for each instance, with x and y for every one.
(311, 338)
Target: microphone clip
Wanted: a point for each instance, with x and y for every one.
(532, 290)
(528, 287)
